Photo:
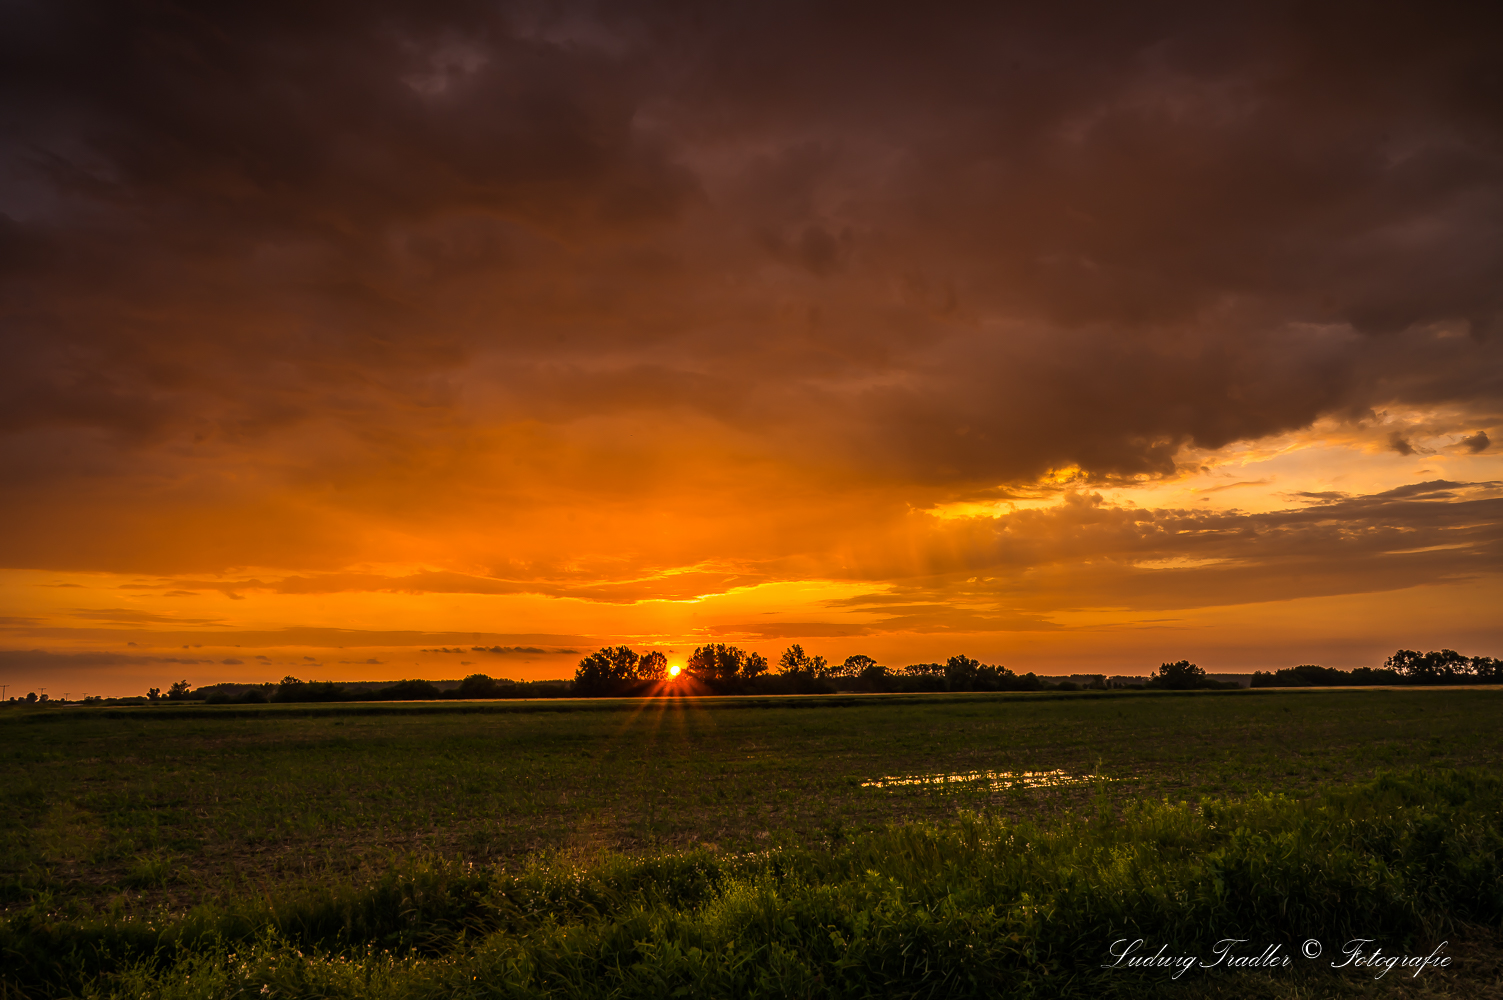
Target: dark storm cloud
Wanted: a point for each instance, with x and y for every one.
(257, 252)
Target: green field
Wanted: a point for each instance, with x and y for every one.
(120, 817)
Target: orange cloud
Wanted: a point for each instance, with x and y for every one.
(610, 325)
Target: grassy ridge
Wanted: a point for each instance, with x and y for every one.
(971, 907)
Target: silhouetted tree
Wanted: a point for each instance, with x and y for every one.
(855, 666)
(995, 678)
(606, 671)
(861, 667)
(1178, 676)
(407, 690)
(289, 690)
(716, 663)
(478, 686)
(652, 666)
(1487, 670)
(179, 690)
(1405, 663)
(1444, 667)
(617, 669)
(292, 690)
(795, 661)
(1311, 675)
(724, 667)
(1374, 675)
(960, 673)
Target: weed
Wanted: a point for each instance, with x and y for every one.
(149, 872)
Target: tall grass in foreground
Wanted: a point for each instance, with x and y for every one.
(976, 907)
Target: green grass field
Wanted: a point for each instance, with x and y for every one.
(129, 818)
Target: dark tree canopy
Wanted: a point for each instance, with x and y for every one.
(1178, 676)
(1435, 667)
(1444, 666)
(795, 661)
(857, 666)
(719, 663)
(478, 686)
(960, 672)
(652, 666)
(615, 669)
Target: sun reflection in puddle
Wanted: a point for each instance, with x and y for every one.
(988, 779)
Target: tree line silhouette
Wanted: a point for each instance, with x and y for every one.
(620, 671)
(725, 669)
(292, 690)
(719, 668)
(1445, 666)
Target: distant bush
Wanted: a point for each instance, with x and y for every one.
(479, 686)
(410, 690)
(484, 686)
(293, 691)
(959, 673)
(235, 694)
(1310, 675)
(792, 682)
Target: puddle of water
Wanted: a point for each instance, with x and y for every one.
(993, 780)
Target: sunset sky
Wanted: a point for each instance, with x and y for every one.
(1070, 337)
